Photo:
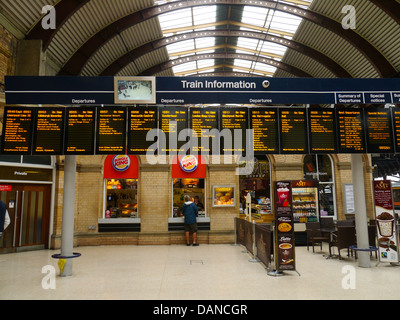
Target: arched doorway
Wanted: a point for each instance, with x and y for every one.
(320, 167)
(258, 184)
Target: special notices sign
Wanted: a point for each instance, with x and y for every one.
(285, 255)
(385, 222)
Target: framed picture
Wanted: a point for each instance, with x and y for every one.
(224, 196)
(135, 90)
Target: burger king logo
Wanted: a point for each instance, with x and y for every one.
(121, 163)
(189, 163)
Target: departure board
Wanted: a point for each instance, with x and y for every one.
(322, 130)
(80, 131)
(396, 128)
(379, 134)
(49, 131)
(140, 121)
(293, 137)
(17, 131)
(264, 122)
(173, 120)
(350, 130)
(204, 122)
(235, 120)
(111, 131)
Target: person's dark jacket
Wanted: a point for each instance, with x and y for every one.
(190, 211)
(3, 210)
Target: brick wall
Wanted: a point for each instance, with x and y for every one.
(155, 199)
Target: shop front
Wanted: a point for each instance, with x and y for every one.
(189, 178)
(121, 197)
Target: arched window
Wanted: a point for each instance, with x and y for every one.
(320, 167)
(258, 184)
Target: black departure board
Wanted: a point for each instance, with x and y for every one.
(293, 137)
(204, 123)
(173, 120)
(17, 131)
(111, 130)
(379, 134)
(322, 130)
(235, 120)
(396, 128)
(49, 131)
(141, 120)
(264, 122)
(350, 130)
(80, 131)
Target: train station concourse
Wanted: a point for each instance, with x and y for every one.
(199, 150)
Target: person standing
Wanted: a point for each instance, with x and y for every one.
(190, 211)
(4, 217)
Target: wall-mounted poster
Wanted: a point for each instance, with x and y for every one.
(385, 222)
(285, 253)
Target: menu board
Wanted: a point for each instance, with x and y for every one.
(49, 131)
(285, 242)
(387, 228)
(173, 120)
(379, 130)
(234, 120)
(396, 128)
(293, 124)
(204, 122)
(350, 129)
(264, 122)
(322, 130)
(17, 131)
(79, 131)
(140, 121)
(111, 130)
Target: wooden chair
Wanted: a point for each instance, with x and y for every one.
(314, 235)
(343, 239)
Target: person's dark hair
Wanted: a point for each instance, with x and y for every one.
(187, 198)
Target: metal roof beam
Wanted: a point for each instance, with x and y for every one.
(83, 54)
(123, 61)
(249, 57)
(65, 9)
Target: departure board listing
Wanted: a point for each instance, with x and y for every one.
(264, 122)
(350, 128)
(49, 131)
(111, 131)
(172, 122)
(204, 123)
(379, 131)
(396, 127)
(293, 124)
(322, 131)
(80, 130)
(141, 121)
(236, 121)
(17, 131)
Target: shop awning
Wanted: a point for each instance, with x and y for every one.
(189, 167)
(121, 167)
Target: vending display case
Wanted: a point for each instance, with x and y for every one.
(305, 201)
(224, 196)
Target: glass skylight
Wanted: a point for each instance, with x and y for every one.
(256, 19)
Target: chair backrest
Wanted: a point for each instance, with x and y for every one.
(327, 222)
(346, 236)
(372, 235)
(344, 223)
(313, 228)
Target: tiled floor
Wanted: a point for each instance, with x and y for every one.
(207, 272)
